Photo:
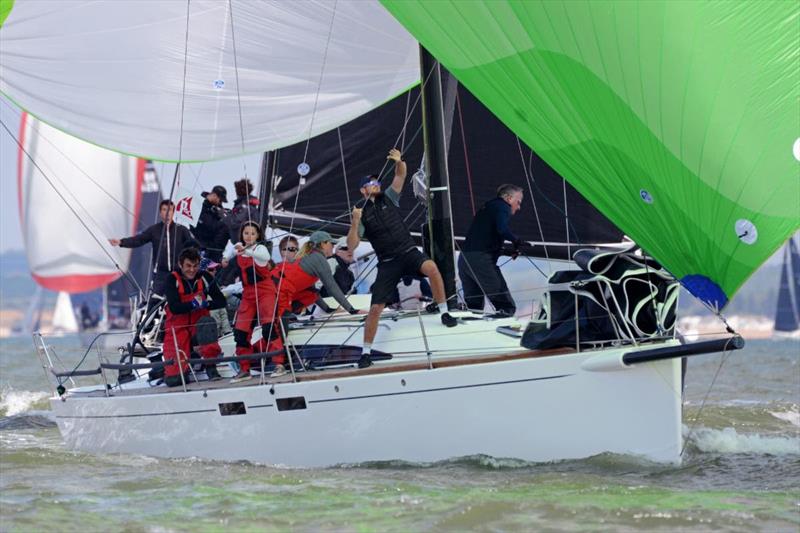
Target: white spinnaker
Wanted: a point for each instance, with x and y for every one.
(101, 186)
(112, 71)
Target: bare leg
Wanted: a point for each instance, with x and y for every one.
(430, 270)
(371, 324)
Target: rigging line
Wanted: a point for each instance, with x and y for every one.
(176, 175)
(536, 266)
(403, 141)
(82, 171)
(726, 353)
(244, 160)
(319, 82)
(528, 180)
(238, 91)
(299, 186)
(69, 206)
(344, 169)
(466, 157)
(549, 201)
(566, 213)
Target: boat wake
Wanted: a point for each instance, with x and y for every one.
(792, 416)
(728, 440)
(14, 402)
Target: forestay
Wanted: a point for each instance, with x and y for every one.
(677, 120)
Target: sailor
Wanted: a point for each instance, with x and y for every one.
(288, 248)
(296, 279)
(258, 305)
(340, 267)
(381, 222)
(166, 252)
(211, 231)
(188, 292)
(477, 265)
(246, 208)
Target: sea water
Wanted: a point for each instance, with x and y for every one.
(740, 472)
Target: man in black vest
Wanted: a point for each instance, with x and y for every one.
(381, 222)
(477, 265)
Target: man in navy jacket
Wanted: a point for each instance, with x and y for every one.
(477, 265)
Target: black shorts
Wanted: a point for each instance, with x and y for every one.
(390, 273)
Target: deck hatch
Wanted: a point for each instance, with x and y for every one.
(291, 404)
(232, 408)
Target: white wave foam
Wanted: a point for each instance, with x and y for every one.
(14, 402)
(727, 440)
(792, 416)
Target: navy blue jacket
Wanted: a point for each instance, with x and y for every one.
(490, 228)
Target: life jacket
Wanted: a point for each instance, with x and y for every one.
(186, 296)
(293, 275)
(295, 286)
(252, 273)
(385, 229)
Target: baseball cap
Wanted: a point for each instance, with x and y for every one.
(341, 242)
(320, 236)
(220, 191)
(367, 179)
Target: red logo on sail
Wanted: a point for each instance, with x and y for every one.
(184, 207)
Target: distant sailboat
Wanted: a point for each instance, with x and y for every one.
(64, 320)
(60, 198)
(787, 313)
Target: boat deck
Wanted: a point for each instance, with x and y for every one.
(331, 373)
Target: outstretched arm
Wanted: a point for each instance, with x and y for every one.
(353, 238)
(399, 170)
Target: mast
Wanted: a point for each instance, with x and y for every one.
(268, 169)
(440, 218)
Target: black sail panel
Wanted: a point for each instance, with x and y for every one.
(483, 154)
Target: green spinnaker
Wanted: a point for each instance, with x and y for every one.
(678, 120)
(5, 9)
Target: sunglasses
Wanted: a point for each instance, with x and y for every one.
(342, 248)
(289, 249)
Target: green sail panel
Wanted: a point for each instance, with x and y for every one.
(677, 120)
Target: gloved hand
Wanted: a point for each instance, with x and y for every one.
(354, 311)
(515, 252)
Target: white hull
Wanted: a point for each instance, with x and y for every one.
(535, 409)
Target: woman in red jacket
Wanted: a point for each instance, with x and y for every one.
(258, 303)
(297, 279)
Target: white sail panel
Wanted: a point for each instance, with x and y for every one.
(112, 72)
(104, 190)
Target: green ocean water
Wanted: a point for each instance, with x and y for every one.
(741, 472)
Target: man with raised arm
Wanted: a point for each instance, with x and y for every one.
(166, 251)
(381, 223)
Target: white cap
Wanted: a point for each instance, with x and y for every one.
(342, 242)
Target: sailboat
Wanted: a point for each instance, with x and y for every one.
(627, 124)
(64, 320)
(66, 186)
(787, 312)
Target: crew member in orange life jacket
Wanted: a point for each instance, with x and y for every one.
(299, 276)
(258, 303)
(188, 296)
